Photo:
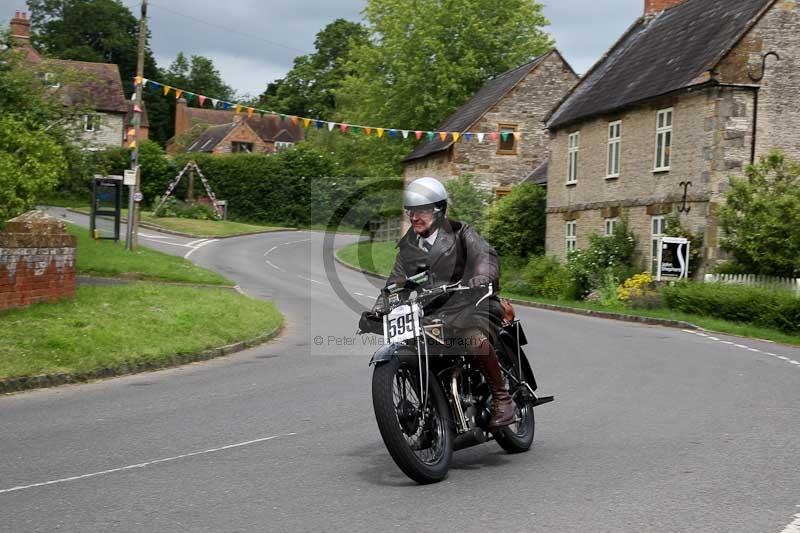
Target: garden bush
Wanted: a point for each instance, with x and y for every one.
(179, 209)
(606, 258)
(515, 224)
(771, 308)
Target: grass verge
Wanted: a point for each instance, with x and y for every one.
(107, 326)
(110, 259)
(379, 258)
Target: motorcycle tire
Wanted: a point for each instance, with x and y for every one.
(396, 428)
(518, 437)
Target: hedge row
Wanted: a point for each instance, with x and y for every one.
(778, 309)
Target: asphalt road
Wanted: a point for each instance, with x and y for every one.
(653, 429)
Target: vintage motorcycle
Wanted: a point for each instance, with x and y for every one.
(429, 397)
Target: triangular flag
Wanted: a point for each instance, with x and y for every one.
(188, 96)
(343, 128)
(238, 109)
(137, 109)
(283, 117)
(368, 131)
(331, 125)
(380, 133)
(167, 88)
(306, 122)
(250, 112)
(517, 135)
(418, 134)
(443, 135)
(404, 133)
(392, 133)
(294, 120)
(214, 102)
(133, 96)
(493, 136)
(480, 137)
(226, 105)
(154, 85)
(132, 144)
(201, 99)
(318, 124)
(430, 135)
(468, 136)
(456, 135)
(261, 113)
(137, 80)
(178, 93)
(131, 132)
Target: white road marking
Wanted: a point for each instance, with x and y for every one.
(142, 465)
(311, 280)
(748, 348)
(794, 527)
(268, 251)
(274, 266)
(197, 247)
(148, 236)
(191, 244)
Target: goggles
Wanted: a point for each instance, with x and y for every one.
(421, 211)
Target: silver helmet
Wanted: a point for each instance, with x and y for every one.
(425, 191)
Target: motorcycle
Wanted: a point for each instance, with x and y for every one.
(430, 398)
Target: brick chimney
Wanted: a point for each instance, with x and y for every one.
(21, 29)
(181, 117)
(652, 7)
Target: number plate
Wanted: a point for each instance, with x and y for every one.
(401, 324)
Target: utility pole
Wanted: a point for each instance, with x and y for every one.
(133, 202)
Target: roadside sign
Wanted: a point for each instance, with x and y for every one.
(673, 258)
(129, 178)
(138, 197)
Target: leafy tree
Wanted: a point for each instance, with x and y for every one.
(309, 87)
(762, 216)
(427, 57)
(515, 224)
(467, 202)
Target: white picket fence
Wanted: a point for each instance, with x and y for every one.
(752, 280)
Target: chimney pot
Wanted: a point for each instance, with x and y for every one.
(652, 7)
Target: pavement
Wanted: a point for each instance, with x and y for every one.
(653, 429)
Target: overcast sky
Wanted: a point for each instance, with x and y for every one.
(254, 41)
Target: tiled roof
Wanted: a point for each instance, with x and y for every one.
(100, 86)
(211, 138)
(469, 113)
(538, 175)
(660, 54)
(269, 128)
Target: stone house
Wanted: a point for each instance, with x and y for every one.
(93, 86)
(515, 101)
(693, 92)
(227, 132)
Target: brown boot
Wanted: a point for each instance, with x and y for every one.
(502, 404)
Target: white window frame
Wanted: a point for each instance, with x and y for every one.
(658, 228)
(573, 148)
(610, 225)
(614, 149)
(662, 158)
(91, 123)
(571, 243)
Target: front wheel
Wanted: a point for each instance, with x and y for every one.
(421, 446)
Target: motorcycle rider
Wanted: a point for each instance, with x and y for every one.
(453, 251)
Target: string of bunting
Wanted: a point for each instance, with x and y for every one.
(343, 127)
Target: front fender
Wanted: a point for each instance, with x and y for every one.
(389, 351)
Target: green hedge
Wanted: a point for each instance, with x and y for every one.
(762, 307)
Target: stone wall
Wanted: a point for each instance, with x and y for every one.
(37, 261)
(110, 133)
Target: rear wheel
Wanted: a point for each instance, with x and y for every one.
(518, 437)
(422, 446)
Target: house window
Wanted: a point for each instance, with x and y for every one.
(91, 122)
(280, 146)
(658, 227)
(506, 143)
(663, 139)
(610, 226)
(614, 144)
(572, 157)
(241, 148)
(572, 236)
(49, 79)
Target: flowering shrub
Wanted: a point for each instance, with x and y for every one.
(590, 268)
(635, 286)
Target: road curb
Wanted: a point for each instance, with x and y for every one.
(103, 280)
(168, 231)
(565, 309)
(12, 385)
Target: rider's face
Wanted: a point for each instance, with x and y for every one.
(421, 220)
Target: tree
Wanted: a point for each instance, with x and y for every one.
(309, 88)
(467, 202)
(427, 57)
(515, 224)
(761, 218)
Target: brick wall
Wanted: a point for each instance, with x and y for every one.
(37, 261)
(244, 133)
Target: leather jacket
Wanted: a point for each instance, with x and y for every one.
(458, 254)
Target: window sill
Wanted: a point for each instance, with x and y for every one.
(661, 170)
(612, 178)
(572, 184)
(505, 153)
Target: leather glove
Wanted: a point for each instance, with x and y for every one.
(370, 323)
(478, 281)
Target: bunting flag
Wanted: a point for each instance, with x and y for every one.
(137, 109)
(343, 127)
